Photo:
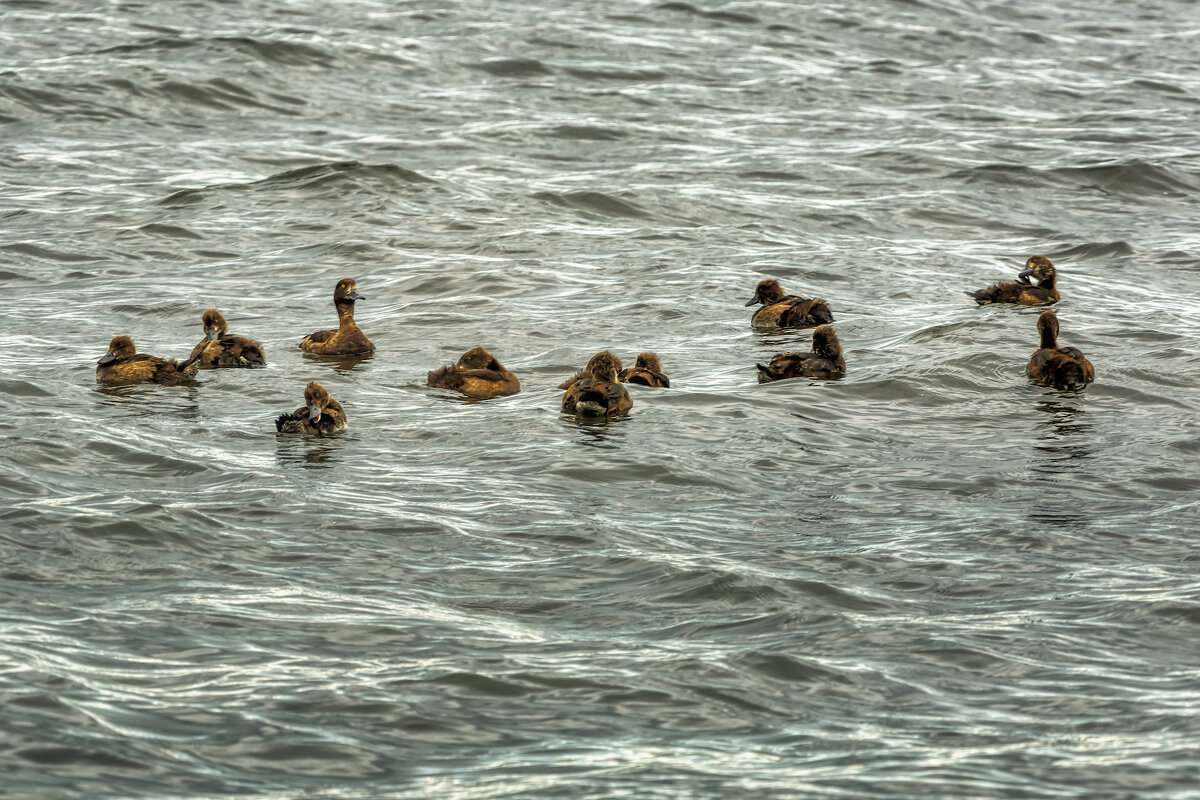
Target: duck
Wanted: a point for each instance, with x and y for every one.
(320, 415)
(123, 365)
(348, 339)
(598, 393)
(1021, 291)
(219, 350)
(1060, 367)
(647, 371)
(587, 371)
(825, 360)
(477, 374)
(781, 310)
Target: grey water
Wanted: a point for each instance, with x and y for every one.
(927, 579)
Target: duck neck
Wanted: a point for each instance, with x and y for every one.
(1049, 339)
(1048, 283)
(345, 312)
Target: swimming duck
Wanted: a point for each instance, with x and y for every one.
(587, 371)
(219, 350)
(1060, 367)
(347, 340)
(123, 365)
(320, 414)
(598, 394)
(825, 360)
(1020, 291)
(781, 310)
(647, 371)
(477, 374)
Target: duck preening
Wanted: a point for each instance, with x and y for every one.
(597, 392)
(320, 415)
(348, 339)
(825, 360)
(218, 349)
(781, 310)
(1060, 367)
(477, 374)
(1021, 291)
(123, 365)
(647, 371)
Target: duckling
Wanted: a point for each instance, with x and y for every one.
(219, 350)
(647, 372)
(825, 360)
(781, 310)
(587, 371)
(320, 414)
(123, 365)
(1020, 291)
(347, 340)
(477, 374)
(1060, 367)
(598, 394)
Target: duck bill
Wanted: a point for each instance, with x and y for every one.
(314, 412)
(1025, 275)
(753, 302)
(107, 358)
(210, 334)
(354, 295)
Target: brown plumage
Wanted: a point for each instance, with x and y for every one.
(347, 340)
(781, 310)
(123, 365)
(825, 360)
(1021, 291)
(598, 393)
(220, 350)
(603, 356)
(320, 415)
(647, 371)
(477, 374)
(1060, 367)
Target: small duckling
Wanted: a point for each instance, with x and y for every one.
(587, 371)
(123, 365)
(320, 414)
(477, 374)
(1020, 291)
(781, 310)
(598, 394)
(1060, 367)
(347, 340)
(647, 372)
(825, 360)
(219, 350)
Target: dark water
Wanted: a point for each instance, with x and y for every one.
(929, 579)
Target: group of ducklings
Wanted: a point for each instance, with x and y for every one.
(597, 390)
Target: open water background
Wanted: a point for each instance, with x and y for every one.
(929, 579)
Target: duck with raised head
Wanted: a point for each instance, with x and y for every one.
(348, 339)
(647, 371)
(1060, 367)
(781, 310)
(477, 374)
(825, 360)
(218, 349)
(1021, 291)
(123, 365)
(320, 415)
(598, 393)
(604, 355)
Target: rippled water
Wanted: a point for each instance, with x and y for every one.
(929, 579)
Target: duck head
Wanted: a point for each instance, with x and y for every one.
(1038, 267)
(121, 347)
(214, 325)
(1047, 326)
(346, 291)
(767, 292)
(825, 343)
(649, 361)
(317, 399)
(478, 358)
(604, 365)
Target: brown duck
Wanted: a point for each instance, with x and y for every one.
(781, 310)
(320, 415)
(586, 372)
(123, 365)
(477, 374)
(825, 360)
(1060, 367)
(598, 393)
(647, 371)
(221, 350)
(1021, 291)
(347, 340)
